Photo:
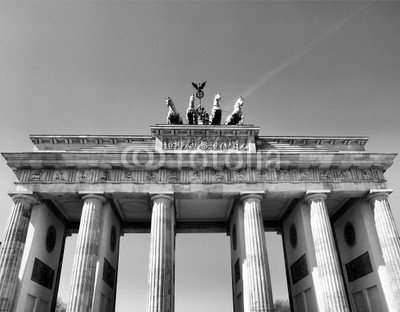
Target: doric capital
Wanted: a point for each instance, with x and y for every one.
(378, 194)
(97, 197)
(251, 196)
(28, 199)
(316, 195)
(162, 196)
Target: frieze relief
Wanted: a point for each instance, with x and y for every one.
(218, 176)
(240, 176)
(205, 143)
(199, 176)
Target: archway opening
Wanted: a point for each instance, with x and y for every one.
(277, 268)
(66, 270)
(132, 273)
(203, 273)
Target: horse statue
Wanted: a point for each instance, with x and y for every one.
(216, 112)
(173, 117)
(236, 117)
(191, 113)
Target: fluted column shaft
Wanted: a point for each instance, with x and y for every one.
(161, 278)
(12, 249)
(331, 278)
(86, 255)
(259, 292)
(388, 238)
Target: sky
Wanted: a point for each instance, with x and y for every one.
(105, 67)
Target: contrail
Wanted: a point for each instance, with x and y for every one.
(273, 72)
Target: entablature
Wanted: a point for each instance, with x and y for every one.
(192, 176)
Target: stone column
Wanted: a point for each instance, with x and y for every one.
(259, 281)
(162, 255)
(12, 248)
(86, 254)
(388, 237)
(333, 291)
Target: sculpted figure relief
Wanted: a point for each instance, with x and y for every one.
(205, 143)
(236, 117)
(36, 175)
(173, 117)
(216, 113)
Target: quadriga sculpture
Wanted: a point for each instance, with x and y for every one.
(191, 113)
(216, 112)
(173, 117)
(236, 117)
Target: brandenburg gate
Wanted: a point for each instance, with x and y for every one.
(326, 196)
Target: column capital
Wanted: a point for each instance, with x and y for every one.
(378, 193)
(168, 196)
(316, 194)
(98, 197)
(24, 197)
(251, 195)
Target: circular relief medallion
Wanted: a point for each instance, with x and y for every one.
(234, 239)
(51, 238)
(349, 234)
(113, 238)
(293, 235)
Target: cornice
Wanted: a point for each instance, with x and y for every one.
(285, 160)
